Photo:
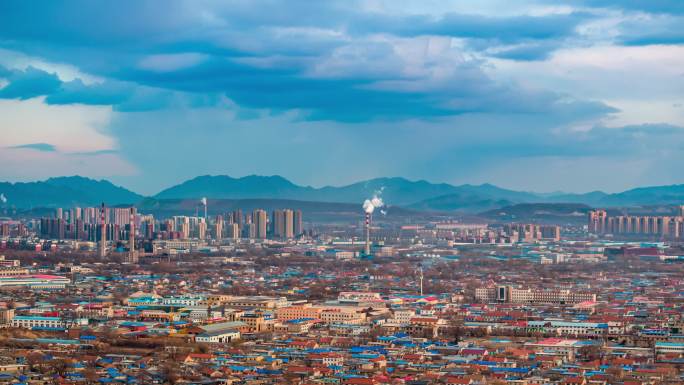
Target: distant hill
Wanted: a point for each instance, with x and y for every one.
(225, 187)
(539, 213)
(415, 195)
(66, 192)
(461, 202)
(593, 198)
(656, 195)
(397, 191)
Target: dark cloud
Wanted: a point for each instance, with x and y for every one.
(650, 6)
(652, 31)
(86, 22)
(504, 29)
(75, 91)
(289, 78)
(44, 147)
(28, 84)
(263, 59)
(122, 96)
(279, 90)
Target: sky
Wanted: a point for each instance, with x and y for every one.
(541, 96)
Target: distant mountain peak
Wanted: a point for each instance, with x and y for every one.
(66, 191)
(396, 191)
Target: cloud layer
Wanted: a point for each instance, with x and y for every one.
(330, 92)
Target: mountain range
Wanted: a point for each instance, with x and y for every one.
(399, 192)
(65, 192)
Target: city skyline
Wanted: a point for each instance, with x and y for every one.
(587, 94)
(350, 192)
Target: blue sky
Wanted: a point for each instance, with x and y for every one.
(531, 95)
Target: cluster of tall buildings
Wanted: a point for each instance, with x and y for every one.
(283, 224)
(118, 224)
(532, 232)
(17, 229)
(87, 224)
(669, 227)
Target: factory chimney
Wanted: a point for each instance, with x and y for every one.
(102, 252)
(369, 205)
(367, 249)
(132, 253)
(421, 281)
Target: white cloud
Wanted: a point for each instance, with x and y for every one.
(644, 82)
(647, 111)
(74, 130)
(70, 128)
(29, 165)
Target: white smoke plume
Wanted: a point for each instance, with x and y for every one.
(3, 198)
(369, 205)
(204, 201)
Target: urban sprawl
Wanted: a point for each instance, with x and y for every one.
(113, 295)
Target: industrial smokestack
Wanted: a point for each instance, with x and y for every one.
(103, 235)
(132, 253)
(367, 250)
(204, 203)
(369, 205)
(421, 281)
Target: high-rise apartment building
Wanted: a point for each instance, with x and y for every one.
(278, 223)
(550, 232)
(283, 224)
(202, 229)
(122, 216)
(249, 230)
(671, 227)
(74, 215)
(260, 221)
(233, 231)
(288, 225)
(298, 223)
(91, 215)
(4, 230)
(238, 218)
(218, 227)
(597, 221)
